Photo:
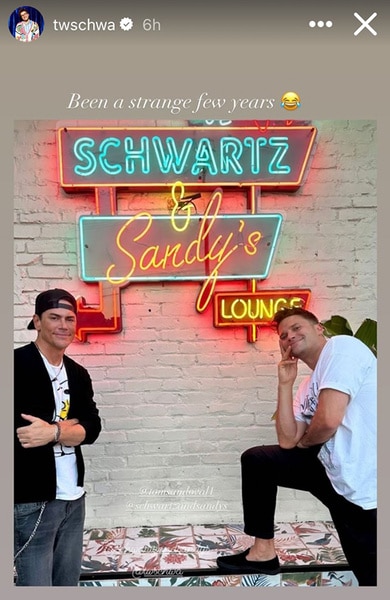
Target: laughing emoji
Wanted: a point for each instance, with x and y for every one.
(290, 101)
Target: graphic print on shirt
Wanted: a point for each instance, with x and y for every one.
(64, 408)
(310, 401)
(62, 400)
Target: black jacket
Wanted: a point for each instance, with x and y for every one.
(34, 468)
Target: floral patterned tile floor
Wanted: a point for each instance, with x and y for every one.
(168, 550)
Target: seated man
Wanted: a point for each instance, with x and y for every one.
(327, 446)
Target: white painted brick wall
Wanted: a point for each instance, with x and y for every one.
(180, 400)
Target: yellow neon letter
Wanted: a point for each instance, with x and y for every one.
(176, 206)
(119, 245)
(223, 312)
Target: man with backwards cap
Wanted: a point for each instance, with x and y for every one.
(54, 415)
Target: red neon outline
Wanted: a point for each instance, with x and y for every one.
(252, 283)
(277, 294)
(194, 185)
(108, 295)
(82, 310)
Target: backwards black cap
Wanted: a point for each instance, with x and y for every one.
(52, 299)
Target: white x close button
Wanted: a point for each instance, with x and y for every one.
(365, 23)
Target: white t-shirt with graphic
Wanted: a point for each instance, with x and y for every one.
(350, 455)
(65, 456)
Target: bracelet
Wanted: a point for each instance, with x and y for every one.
(58, 431)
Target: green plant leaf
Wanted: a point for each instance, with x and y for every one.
(367, 333)
(336, 325)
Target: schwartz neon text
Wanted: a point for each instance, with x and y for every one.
(201, 156)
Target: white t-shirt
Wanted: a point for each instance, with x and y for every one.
(350, 455)
(65, 456)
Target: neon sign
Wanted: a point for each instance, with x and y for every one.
(212, 247)
(199, 156)
(255, 308)
(147, 247)
(116, 250)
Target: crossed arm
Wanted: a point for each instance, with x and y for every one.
(40, 432)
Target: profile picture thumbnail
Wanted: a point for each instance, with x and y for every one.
(26, 24)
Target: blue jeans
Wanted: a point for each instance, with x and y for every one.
(53, 555)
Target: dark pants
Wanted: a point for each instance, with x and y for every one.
(264, 468)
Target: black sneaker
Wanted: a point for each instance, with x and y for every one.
(237, 563)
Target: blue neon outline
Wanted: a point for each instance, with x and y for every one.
(146, 278)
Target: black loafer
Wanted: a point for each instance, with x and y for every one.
(237, 563)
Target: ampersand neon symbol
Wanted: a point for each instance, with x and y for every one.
(177, 194)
